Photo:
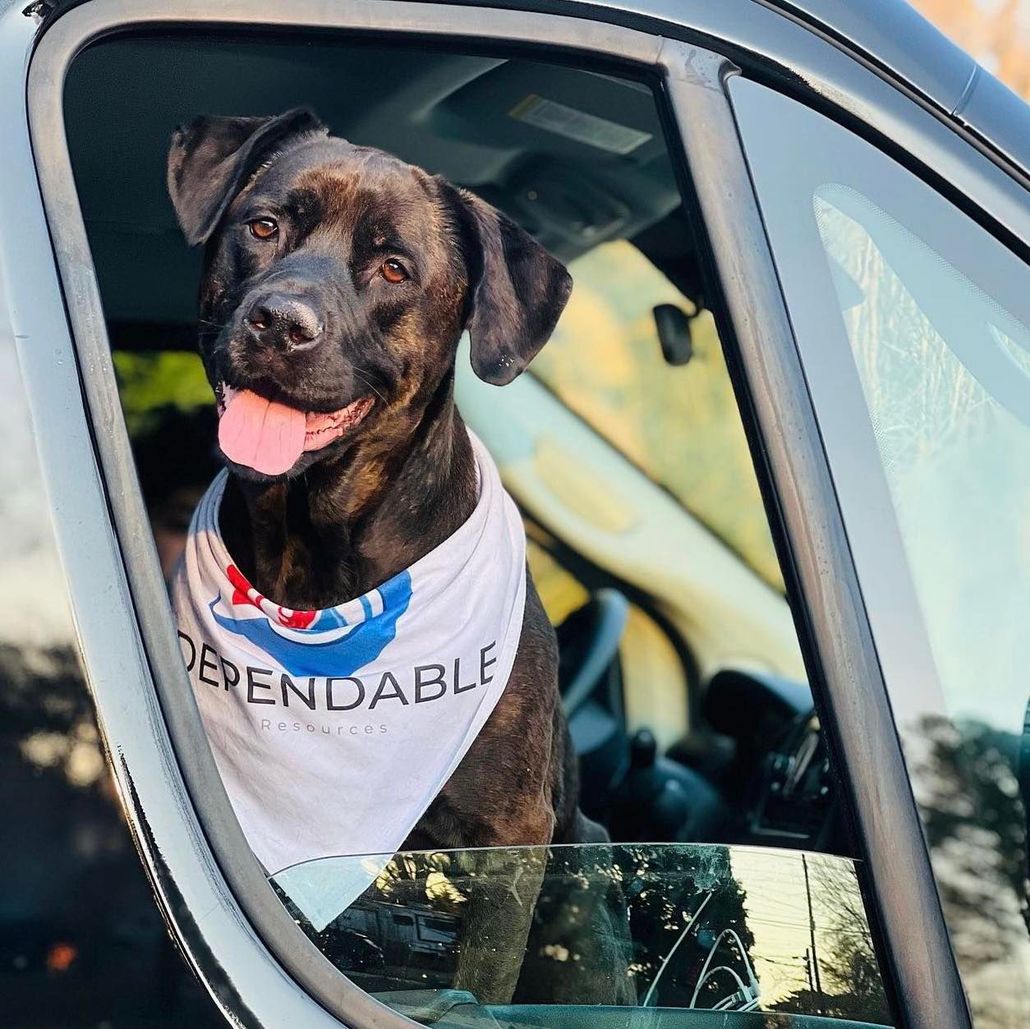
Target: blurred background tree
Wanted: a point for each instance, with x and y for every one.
(995, 32)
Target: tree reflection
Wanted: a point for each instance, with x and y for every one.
(667, 887)
(968, 793)
(844, 979)
(668, 925)
(81, 940)
(52, 728)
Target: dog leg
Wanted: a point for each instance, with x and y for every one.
(580, 946)
(497, 921)
(502, 897)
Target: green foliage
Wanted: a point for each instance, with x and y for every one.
(149, 383)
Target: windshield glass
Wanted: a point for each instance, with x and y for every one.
(678, 424)
(698, 926)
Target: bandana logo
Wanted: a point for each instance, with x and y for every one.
(335, 642)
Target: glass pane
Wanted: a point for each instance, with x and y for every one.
(955, 444)
(678, 424)
(934, 313)
(672, 926)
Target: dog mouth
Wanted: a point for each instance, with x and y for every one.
(270, 437)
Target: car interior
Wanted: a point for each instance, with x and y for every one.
(623, 446)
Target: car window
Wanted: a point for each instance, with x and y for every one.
(679, 424)
(687, 926)
(673, 703)
(933, 314)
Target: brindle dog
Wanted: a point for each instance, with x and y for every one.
(339, 277)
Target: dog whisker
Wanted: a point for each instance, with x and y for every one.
(361, 377)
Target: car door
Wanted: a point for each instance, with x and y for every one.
(231, 925)
(933, 405)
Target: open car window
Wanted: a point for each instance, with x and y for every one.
(679, 671)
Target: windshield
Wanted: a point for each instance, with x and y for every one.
(678, 424)
(672, 926)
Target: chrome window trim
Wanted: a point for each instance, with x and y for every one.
(191, 872)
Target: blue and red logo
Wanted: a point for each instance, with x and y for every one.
(334, 642)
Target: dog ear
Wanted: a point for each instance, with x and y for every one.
(517, 290)
(211, 159)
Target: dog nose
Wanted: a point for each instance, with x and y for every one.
(284, 322)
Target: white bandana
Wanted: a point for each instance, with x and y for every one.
(334, 730)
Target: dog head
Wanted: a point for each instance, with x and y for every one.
(337, 282)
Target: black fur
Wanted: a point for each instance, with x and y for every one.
(348, 517)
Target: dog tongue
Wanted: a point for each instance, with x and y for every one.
(261, 434)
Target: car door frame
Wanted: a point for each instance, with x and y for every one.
(197, 859)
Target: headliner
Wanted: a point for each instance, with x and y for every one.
(452, 114)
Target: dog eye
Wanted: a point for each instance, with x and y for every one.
(393, 271)
(263, 228)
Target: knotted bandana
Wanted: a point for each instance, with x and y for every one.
(334, 730)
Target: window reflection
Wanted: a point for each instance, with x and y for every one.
(671, 926)
(949, 396)
(933, 313)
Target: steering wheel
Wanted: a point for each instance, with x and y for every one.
(593, 634)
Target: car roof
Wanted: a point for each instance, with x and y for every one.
(889, 34)
(895, 37)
